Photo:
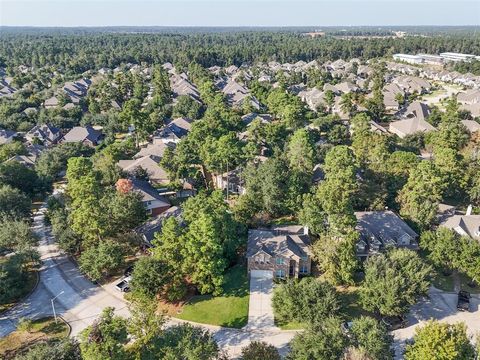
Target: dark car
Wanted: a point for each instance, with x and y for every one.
(128, 271)
(394, 322)
(463, 303)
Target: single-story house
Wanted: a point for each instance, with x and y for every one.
(280, 252)
(380, 230)
(414, 120)
(86, 135)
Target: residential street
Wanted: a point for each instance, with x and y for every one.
(441, 306)
(81, 301)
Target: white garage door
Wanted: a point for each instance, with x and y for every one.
(265, 274)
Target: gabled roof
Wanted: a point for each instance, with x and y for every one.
(284, 241)
(148, 192)
(156, 149)
(417, 110)
(150, 164)
(155, 225)
(45, 132)
(466, 225)
(79, 133)
(384, 226)
(410, 126)
(6, 136)
(471, 125)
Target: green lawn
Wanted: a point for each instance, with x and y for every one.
(293, 325)
(447, 283)
(230, 309)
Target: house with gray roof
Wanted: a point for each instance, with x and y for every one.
(464, 225)
(175, 130)
(414, 120)
(45, 134)
(86, 135)
(148, 230)
(6, 136)
(280, 252)
(154, 203)
(380, 230)
(150, 164)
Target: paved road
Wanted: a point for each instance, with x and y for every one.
(81, 301)
(441, 306)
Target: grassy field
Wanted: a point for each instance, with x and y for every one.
(41, 330)
(230, 309)
(27, 286)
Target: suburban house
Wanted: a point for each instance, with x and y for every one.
(464, 225)
(150, 164)
(29, 160)
(6, 136)
(181, 86)
(147, 230)
(45, 134)
(380, 230)
(280, 252)
(174, 130)
(157, 148)
(230, 181)
(413, 122)
(236, 94)
(471, 125)
(51, 102)
(86, 135)
(154, 203)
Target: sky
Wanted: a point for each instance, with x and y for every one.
(238, 13)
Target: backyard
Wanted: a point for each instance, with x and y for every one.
(229, 309)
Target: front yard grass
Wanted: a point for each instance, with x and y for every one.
(41, 330)
(229, 309)
(447, 282)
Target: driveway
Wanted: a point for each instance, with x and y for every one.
(81, 301)
(260, 311)
(442, 306)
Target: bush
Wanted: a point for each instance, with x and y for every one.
(259, 350)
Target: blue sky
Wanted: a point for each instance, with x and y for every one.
(238, 13)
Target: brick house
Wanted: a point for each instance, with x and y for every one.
(280, 252)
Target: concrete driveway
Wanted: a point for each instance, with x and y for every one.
(441, 306)
(81, 301)
(260, 311)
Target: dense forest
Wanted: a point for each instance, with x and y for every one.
(92, 50)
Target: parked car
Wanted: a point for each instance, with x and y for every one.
(128, 271)
(124, 285)
(463, 303)
(394, 322)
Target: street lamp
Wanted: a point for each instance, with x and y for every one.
(53, 305)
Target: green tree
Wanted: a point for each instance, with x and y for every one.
(13, 203)
(308, 300)
(21, 177)
(372, 338)
(440, 341)
(149, 276)
(66, 349)
(259, 350)
(99, 260)
(203, 254)
(301, 152)
(105, 338)
(420, 196)
(442, 246)
(324, 341)
(336, 256)
(394, 281)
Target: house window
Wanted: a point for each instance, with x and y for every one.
(280, 261)
(280, 274)
(303, 268)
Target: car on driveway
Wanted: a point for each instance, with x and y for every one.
(395, 322)
(124, 284)
(463, 302)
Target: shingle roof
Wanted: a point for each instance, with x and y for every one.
(468, 225)
(155, 225)
(284, 241)
(79, 133)
(148, 192)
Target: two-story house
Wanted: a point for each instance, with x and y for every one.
(280, 252)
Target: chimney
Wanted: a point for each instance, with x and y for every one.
(469, 210)
(305, 230)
